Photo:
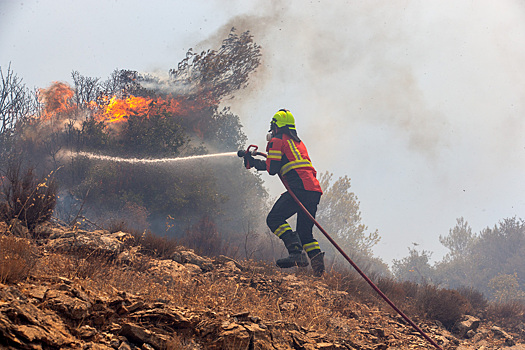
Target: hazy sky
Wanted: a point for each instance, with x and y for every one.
(421, 104)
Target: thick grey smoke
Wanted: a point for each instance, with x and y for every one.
(421, 103)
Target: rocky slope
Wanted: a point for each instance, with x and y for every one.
(99, 290)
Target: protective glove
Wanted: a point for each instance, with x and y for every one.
(259, 164)
(249, 161)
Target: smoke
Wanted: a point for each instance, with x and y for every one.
(395, 65)
(421, 103)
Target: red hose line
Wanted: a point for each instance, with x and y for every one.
(368, 280)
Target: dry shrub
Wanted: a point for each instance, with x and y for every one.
(426, 301)
(344, 279)
(153, 245)
(444, 305)
(203, 238)
(477, 301)
(17, 258)
(511, 313)
(89, 264)
(27, 197)
(132, 217)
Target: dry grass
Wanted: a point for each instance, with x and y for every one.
(509, 314)
(260, 290)
(153, 245)
(17, 258)
(415, 300)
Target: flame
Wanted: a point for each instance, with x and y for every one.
(59, 103)
(117, 109)
(57, 99)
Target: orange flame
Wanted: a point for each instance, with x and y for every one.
(58, 103)
(119, 110)
(57, 99)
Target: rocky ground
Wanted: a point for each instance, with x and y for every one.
(95, 290)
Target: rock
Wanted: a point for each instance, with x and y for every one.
(189, 257)
(48, 229)
(168, 269)
(500, 333)
(222, 259)
(100, 240)
(140, 335)
(175, 318)
(193, 269)
(470, 334)
(236, 334)
(37, 292)
(124, 346)
(231, 267)
(39, 328)
(114, 343)
(87, 332)
(124, 237)
(71, 307)
(467, 323)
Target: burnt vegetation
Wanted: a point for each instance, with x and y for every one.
(139, 116)
(197, 205)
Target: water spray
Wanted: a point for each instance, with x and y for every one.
(146, 160)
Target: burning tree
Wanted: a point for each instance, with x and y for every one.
(138, 115)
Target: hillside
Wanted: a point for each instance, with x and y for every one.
(74, 289)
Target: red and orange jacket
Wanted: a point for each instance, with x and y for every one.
(290, 158)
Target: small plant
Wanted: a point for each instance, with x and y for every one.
(444, 305)
(153, 245)
(476, 299)
(26, 197)
(17, 258)
(204, 238)
(509, 313)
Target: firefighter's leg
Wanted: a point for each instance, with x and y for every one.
(276, 220)
(310, 200)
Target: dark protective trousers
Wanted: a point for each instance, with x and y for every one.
(286, 206)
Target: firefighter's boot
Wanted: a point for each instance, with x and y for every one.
(317, 263)
(296, 257)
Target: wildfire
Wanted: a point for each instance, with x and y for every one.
(57, 99)
(59, 103)
(118, 110)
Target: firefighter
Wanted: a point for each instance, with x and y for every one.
(287, 155)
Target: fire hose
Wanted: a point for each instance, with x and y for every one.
(252, 151)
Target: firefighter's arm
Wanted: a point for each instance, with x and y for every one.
(273, 161)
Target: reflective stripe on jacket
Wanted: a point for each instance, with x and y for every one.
(290, 158)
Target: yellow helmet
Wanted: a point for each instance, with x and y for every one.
(283, 118)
